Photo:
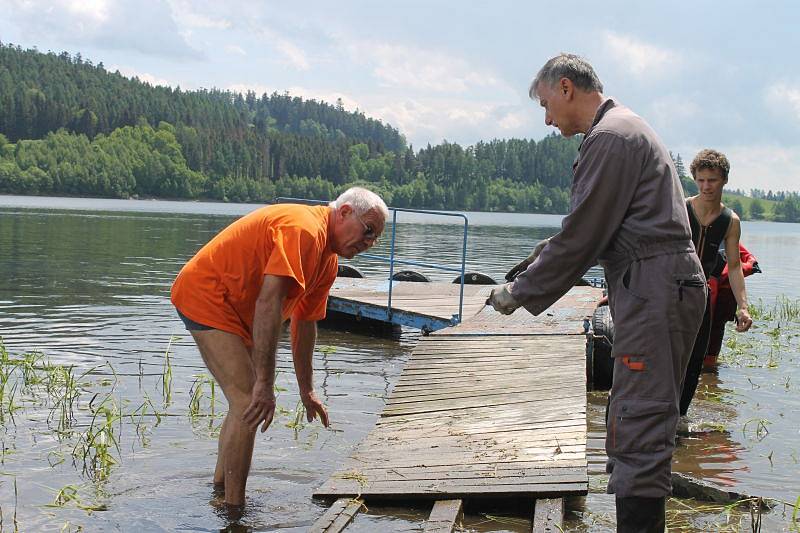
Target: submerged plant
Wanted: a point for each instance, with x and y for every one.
(95, 446)
(69, 494)
(166, 374)
(197, 393)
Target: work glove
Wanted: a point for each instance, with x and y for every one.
(523, 265)
(502, 301)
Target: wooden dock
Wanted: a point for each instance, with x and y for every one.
(425, 306)
(495, 406)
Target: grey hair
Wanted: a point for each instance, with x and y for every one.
(362, 201)
(570, 66)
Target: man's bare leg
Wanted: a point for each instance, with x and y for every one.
(229, 361)
(219, 471)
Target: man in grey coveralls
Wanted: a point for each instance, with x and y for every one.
(626, 212)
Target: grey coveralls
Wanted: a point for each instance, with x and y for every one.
(628, 213)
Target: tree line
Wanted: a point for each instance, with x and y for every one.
(68, 126)
(72, 127)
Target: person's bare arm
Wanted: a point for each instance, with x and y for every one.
(735, 275)
(304, 336)
(266, 331)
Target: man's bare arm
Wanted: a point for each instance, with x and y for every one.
(266, 331)
(735, 275)
(304, 336)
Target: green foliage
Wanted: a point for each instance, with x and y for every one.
(133, 160)
(737, 207)
(756, 210)
(788, 210)
(78, 129)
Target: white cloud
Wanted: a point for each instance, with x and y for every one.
(641, 59)
(293, 54)
(143, 76)
(414, 68)
(435, 119)
(148, 29)
(95, 10)
(329, 97)
(763, 166)
(234, 49)
(782, 97)
(513, 121)
(186, 14)
(673, 111)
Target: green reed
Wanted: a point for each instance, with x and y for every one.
(166, 373)
(97, 443)
(69, 494)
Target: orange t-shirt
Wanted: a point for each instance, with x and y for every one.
(219, 286)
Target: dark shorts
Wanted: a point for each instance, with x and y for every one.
(191, 325)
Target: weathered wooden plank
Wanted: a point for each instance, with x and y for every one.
(519, 362)
(338, 515)
(399, 446)
(480, 413)
(531, 389)
(443, 517)
(489, 417)
(470, 403)
(520, 431)
(465, 372)
(546, 457)
(371, 478)
(439, 490)
(548, 515)
(519, 469)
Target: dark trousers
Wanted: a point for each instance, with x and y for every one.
(695, 367)
(657, 303)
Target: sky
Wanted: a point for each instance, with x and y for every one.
(704, 74)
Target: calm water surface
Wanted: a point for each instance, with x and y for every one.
(87, 283)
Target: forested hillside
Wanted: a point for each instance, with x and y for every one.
(70, 127)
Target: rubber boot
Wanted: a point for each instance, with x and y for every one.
(641, 515)
(710, 363)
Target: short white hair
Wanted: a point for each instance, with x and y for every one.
(362, 201)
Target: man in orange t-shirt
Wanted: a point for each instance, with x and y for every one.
(276, 263)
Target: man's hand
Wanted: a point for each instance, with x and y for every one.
(262, 406)
(743, 320)
(523, 265)
(502, 301)
(314, 407)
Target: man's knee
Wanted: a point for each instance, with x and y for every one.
(228, 360)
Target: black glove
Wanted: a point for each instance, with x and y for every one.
(523, 265)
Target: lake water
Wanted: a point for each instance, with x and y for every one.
(86, 282)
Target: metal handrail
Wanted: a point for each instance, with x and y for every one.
(456, 319)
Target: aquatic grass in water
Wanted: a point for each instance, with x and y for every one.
(72, 401)
(166, 374)
(782, 309)
(96, 445)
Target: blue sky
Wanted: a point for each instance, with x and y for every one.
(704, 74)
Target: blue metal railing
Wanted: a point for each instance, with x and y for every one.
(392, 260)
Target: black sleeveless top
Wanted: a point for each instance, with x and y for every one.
(708, 239)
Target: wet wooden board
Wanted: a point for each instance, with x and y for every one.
(567, 316)
(337, 517)
(434, 299)
(490, 415)
(548, 516)
(444, 515)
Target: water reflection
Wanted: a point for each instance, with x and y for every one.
(88, 288)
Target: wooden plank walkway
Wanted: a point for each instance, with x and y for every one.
(494, 406)
(417, 304)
